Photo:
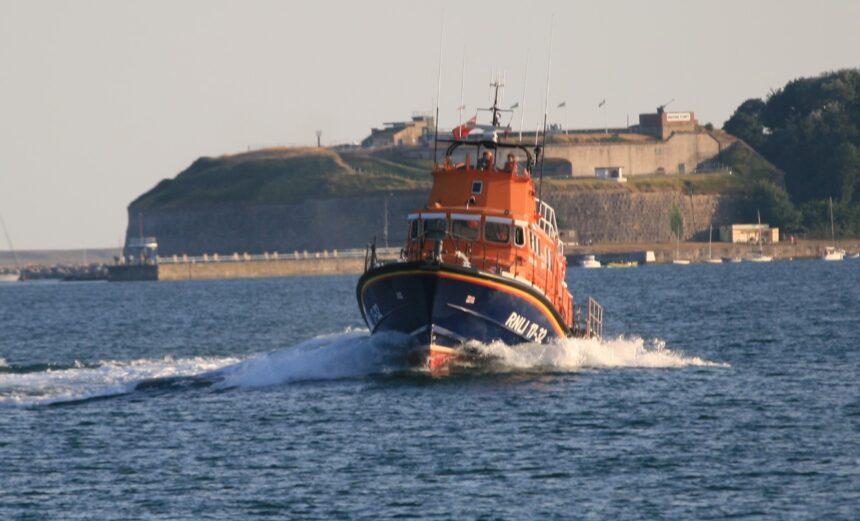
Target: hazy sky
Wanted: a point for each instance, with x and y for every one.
(99, 100)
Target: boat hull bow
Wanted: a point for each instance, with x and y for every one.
(442, 307)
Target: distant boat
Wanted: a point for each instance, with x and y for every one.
(627, 264)
(682, 262)
(10, 277)
(759, 256)
(589, 262)
(832, 253)
(711, 259)
(852, 255)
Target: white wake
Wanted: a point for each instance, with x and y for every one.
(106, 378)
(352, 354)
(574, 354)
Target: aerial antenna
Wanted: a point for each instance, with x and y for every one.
(545, 102)
(523, 104)
(462, 106)
(438, 91)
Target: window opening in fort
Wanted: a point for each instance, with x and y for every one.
(497, 232)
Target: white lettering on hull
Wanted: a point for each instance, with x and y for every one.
(525, 327)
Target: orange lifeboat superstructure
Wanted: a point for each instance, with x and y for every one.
(483, 260)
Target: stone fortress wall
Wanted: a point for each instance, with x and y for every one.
(327, 224)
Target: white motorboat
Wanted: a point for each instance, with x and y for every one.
(589, 262)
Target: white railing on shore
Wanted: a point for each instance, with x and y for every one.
(354, 253)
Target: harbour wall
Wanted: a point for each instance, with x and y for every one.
(698, 251)
(614, 215)
(251, 267)
(258, 269)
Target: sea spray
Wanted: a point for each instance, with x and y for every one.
(346, 355)
(103, 379)
(573, 354)
(351, 354)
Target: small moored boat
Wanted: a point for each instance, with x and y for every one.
(589, 261)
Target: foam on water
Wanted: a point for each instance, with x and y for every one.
(351, 354)
(573, 354)
(346, 355)
(107, 378)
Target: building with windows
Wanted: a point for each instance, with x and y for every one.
(749, 233)
(401, 133)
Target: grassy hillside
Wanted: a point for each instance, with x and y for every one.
(284, 176)
(291, 175)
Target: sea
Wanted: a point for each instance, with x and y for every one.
(717, 392)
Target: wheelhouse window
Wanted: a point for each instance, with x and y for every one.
(435, 226)
(414, 226)
(465, 226)
(519, 236)
(497, 230)
(477, 186)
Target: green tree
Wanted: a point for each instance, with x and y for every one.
(775, 206)
(676, 221)
(746, 122)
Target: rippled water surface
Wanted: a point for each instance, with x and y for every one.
(720, 391)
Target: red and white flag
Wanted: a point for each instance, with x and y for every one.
(463, 130)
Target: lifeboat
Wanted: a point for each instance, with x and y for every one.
(483, 260)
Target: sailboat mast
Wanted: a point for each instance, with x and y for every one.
(832, 231)
(710, 236)
(9, 241)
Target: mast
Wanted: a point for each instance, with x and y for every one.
(545, 103)
(385, 224)
(710, 236)
(9, 241)
(832, 231)
(438, 91)
(523, 105)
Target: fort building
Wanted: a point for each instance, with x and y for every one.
(399, 133)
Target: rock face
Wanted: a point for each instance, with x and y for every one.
(622, 216)
(313, 225)
(352, 222)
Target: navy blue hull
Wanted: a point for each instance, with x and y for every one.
(442, 305)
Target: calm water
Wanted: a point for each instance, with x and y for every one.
(721, 392)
